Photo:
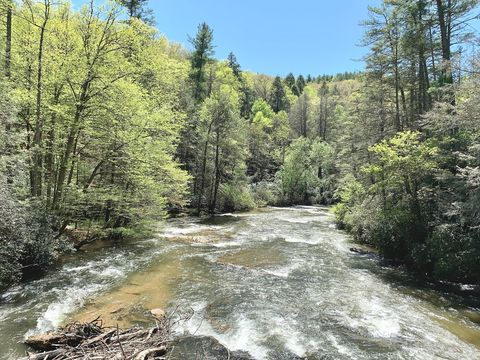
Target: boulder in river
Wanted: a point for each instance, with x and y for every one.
(203, 347)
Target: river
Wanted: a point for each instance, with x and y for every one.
(277, 283)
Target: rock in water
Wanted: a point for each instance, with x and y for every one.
(158, 314)
(360, 251)
(203, 347)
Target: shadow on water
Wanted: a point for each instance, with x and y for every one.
(442, 294)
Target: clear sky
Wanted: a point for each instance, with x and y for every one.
(273, 36)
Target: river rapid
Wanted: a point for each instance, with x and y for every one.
(279, 283)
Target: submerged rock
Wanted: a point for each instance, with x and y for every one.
(286, 355)
(203, 347)
(361, 251)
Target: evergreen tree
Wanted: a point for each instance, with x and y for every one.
(278, 98)
(203, 51)
(247, 96)
(290, 81)
(300, 84)
(137, 9)
(234, 65)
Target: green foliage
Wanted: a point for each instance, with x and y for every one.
(402, 162)
(221, 152)
(95, 140)
(391, 214)
(235, 198)
(299, 176)
(266, 193)
(389, 229)
(28, 244)
(261, 109)
(350, 193)
(420, 203)
(13, 234)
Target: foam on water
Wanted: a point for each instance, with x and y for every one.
(56, 312)
(287, 330)
(377, 318)
(340, 348)
(283, 271)
(80, 283)
(305, 240)
(242, 334)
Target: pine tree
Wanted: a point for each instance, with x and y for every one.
(136, 9)
(278, 98)
(234, 65)
(300, 84)
(247, 97)
(203, 51)
(290, 82)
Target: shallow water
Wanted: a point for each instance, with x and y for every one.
(276, 283)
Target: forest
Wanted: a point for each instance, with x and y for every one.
(107, 127)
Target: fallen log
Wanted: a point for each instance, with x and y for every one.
(49, 355)
(99, 337)
(45, 342)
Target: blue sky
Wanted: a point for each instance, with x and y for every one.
(273, 36)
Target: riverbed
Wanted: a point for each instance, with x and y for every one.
(277, 282)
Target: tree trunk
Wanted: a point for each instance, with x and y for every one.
(213, 203)
(62, 170)
(8, 150)
(38, 134)
(404, 107)
(204, 168)
(444, 13)
(432, 53)
(74, 160)
(397, 91)
(8, 42)
(50, 150)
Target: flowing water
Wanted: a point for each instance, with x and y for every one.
(277, 283)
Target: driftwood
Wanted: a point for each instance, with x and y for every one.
(49, 355)
(93, 341)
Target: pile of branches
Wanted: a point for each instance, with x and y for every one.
(93, 341)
